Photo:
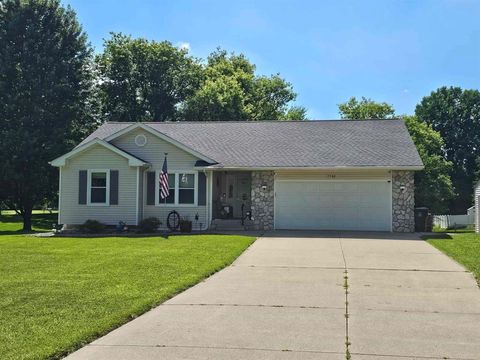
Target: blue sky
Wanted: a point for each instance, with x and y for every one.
(393, 51)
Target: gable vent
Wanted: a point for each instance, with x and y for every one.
(140, 140)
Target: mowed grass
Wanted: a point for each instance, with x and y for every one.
(464, 248)
(57, 294)
(11, 223)
(467, 229)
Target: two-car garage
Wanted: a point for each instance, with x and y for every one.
(333, 202)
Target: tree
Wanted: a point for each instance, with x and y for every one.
(220, 98)
(477, 171)
(455, 113)
(143, 80)
(433, 186)
(365, 109)
(44, 89)
(295, 113)
(230, 90)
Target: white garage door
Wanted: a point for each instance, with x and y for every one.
(333, 205)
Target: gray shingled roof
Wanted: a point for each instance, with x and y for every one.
(328, 143)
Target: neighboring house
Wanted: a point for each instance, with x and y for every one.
(471, 211)
(477, 204)
(335, 175)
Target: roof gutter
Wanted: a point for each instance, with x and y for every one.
(334, 168)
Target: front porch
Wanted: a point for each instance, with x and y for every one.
(231, 200)
(236, 194)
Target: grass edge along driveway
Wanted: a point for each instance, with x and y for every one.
(57, 294)
(461, 247)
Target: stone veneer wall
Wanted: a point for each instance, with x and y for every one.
(262, 200)
(403, 202)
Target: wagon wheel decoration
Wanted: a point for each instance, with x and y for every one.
(173, 220)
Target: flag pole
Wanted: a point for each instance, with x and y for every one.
(165, 200)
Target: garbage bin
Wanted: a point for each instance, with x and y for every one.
(423, 220)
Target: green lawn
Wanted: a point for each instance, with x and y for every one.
(464, 248)
(10, 223)
(59, 293)
(467, 229)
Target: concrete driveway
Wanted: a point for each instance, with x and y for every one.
(302, 295)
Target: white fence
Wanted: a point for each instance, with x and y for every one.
(446, 221)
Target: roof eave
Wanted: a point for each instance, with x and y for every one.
(332, 168)
(161, 136)
(132, 160)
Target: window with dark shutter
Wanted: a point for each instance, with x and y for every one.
(151, 188)
(202, 189)
(113, 187)
(82, 187)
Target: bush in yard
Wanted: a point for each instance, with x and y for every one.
(149, 225)
(185, 225)
(92, 227)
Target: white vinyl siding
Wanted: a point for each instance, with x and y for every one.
(333, 200)
(97, 157)
(477, 204)
(141, 173)
(178, 161)
(153, 151)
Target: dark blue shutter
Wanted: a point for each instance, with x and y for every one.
(82, 187)
(202, 189)
(151, 188)
(113, 187)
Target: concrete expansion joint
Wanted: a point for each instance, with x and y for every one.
(421, 312)
(257, 305)
(419, 357)
(216, 348)
(292, 267)
(348, 355)
(416, 270)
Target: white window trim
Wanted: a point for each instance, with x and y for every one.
(89, 187)
(177, 175)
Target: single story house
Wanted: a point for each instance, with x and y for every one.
(319, 175)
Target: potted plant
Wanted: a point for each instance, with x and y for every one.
(185, 225)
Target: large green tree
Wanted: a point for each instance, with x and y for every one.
(433, 186)
(143, 80)
(45, 84)
(365, 109)
(231, 90)
(455, 113)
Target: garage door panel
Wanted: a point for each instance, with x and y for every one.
(333, 205)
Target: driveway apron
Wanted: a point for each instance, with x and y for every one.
(300, 295)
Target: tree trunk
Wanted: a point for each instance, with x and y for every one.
(27, 220)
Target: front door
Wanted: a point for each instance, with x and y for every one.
(237, 192)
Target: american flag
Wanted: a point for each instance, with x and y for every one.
(164, 189)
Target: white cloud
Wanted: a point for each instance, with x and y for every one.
(184, 45)
(405, 91)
